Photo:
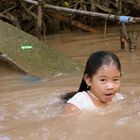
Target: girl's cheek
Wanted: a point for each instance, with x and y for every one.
(117, 87)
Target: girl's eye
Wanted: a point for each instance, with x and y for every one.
(115, 80)
(102, 80)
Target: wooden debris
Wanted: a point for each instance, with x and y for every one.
(24, 15)
(4, 58)
(72, 22)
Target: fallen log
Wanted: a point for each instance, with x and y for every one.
(125, 19)
(72, 22)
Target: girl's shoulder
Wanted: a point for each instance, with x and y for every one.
(81, 100)
(78, 96)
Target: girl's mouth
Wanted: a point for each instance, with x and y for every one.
(109, 96)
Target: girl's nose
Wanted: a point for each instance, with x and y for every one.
(110, 85)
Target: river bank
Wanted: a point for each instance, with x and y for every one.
(40, 59)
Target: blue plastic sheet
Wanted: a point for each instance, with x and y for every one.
(124, 19)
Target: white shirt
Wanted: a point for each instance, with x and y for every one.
(82, 100)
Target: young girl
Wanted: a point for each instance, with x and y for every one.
(100, 84)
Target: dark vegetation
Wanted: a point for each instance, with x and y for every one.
(41, 21)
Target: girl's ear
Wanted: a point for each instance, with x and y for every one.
(87, 80)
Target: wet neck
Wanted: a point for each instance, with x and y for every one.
(93, 96)
(96, 100)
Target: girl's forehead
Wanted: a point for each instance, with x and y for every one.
(108, 69)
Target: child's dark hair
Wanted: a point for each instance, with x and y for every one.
(94, 62)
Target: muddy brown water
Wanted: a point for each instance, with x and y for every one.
(31, 109)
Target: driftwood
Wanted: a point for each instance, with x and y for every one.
(72, 22)
(129, 37)
(132, 40)
(39, 22)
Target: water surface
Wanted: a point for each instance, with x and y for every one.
(31, 109)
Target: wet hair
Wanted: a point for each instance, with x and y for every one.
(94, 62)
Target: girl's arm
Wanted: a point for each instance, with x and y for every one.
(70, 108)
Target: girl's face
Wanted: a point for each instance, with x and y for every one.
(105, 83)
